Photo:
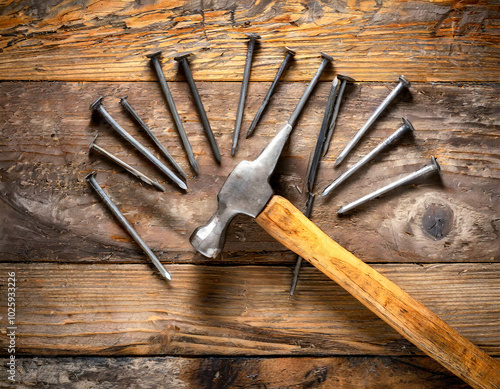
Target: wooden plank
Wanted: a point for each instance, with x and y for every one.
(155, 372)
(371, 41)
(49, 213)
(110, 310)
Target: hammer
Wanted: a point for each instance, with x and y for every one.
(247, 191)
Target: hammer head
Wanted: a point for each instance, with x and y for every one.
(246, 190)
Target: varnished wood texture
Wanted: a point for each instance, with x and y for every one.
(87, 298)
(370, 40)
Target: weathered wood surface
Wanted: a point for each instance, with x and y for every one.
(173, 372)
(408, 316)
(370, 40)
(49, 213)
(128, 309)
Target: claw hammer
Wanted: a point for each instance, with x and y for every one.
(247, 191)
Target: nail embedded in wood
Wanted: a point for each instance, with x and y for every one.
(97, 149)
(403, 84)
(98, 108)
(182, 59)
(406, 127)
(125, 104)
(343, 82)
(117, 213)
(313, 167)
(284, 65)
(433, 166)
(155, 61)
(298, 262)
(325, 60)
(243, 93)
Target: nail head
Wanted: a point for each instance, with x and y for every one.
(326, 56)
(92, 143)
(253, 35)
(96, 104)
(154, 55)
(180, 57)
(290, 51)
(405, 82)
(346, 78)
(436, 165)
(90, 175)
(408, 123)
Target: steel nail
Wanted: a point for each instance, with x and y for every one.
(403, 83)
(117, 213)
(173, 110)
(407, 126)
(125, 104)
(244, 87)
(313, 167)
(98, 107)
(333, 122)
(182, 59)
(97, 149)
(298, 263)
(325, 59)
(432, 167)
(289, 56)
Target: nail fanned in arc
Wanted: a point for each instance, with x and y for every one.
(133, 233)
(155, 61)
(98, 108)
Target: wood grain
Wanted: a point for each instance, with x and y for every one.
(370, 40)
(156, 372)
(49, 213)
(387, 300)
(126, 309)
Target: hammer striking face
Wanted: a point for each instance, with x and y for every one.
(247, 190)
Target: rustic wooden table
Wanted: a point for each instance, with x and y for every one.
(92, 312)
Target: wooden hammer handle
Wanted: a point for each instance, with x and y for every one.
(384, 298)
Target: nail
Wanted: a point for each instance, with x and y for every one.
(403, 83)
(298, 263)
(407, 126)
(116, 212)
(125, 104)
(289, 56)
(182, 59)
(343, 82)
(244, 87)
(94, 148)
(173, 110)
(98, 107)
(325, 60)
(313, 167)
(432, 167)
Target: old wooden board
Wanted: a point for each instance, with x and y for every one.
(107, 40)
(127, 309)
(50, 213)
(217, 372)
(88, 300)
